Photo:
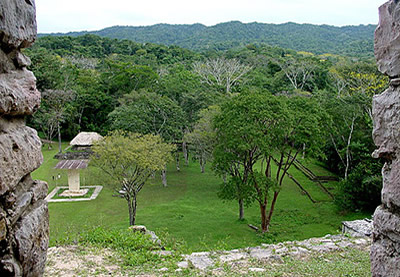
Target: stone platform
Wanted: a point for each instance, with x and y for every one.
(97, 190)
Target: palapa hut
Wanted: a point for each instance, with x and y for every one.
(84, 140)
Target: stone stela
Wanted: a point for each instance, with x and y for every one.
(73, 167)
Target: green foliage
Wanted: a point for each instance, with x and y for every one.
(100, 71)
(347, 40)
(254, 127)
(361, 190)
(202, 139)
(134, 248)
(130, 159)
(149, 113)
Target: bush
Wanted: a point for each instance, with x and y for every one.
(361, 191)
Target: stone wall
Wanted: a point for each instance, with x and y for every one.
(24, 225)
(385, 250)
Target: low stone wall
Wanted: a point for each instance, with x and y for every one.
(24, 225)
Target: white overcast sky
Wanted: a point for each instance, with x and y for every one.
(79, 15)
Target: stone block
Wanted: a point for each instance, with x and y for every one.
(387, 39)
(385, 259)
(18, 93)
(20, 205)
(391, 184)
(32, 239)
(387, 224)
(39, 191)
(20, 154)
(17, 23)
(6, 63)
(386, 114)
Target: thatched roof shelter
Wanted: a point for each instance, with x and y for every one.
(85, 139)
(71, 164)
(73, 167)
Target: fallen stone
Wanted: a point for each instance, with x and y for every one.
(183, 264)
(357, 228)
(138, 228)
(200, 260)
(260, 253)
(256, 269)
(162, 253)
(233, 257)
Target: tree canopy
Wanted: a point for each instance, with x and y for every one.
(130, 159)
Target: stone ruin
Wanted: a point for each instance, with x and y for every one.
(385, 250)
(24, 224)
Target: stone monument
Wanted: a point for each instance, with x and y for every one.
(385, 249)
(24, 225)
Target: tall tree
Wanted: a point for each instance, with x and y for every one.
(149, 113)
(202, 139)
(258, 127)
(222, 72)
(53, 112)
(130, 159)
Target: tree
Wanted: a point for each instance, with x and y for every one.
(130, 159)
(53, 112)
(149, 113)
(259, 128)
(240, 143)
(298, 71)
(203, 136)
(222, 72)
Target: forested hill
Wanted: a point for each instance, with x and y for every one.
(319, 39)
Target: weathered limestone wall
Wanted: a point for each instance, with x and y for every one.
(385, 250)
(24, 225)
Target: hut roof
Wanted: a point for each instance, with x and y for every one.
(71, 164)
(85, 139)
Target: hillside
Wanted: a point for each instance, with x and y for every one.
(319, 39)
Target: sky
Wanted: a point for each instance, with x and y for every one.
(90, 15)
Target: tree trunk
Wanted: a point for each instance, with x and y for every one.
(164, 177)
(304, 151)
(263, 211)
(202, 165)
(185, 153)
(132, 209)
(241, 209)
(177, 161)
(271, 211)
(348, 158)
(59, 138)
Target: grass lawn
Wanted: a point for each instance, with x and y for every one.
(189, 209)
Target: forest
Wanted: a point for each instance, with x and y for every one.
(208, 104)
(318, 39)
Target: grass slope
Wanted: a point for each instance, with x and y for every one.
(189, 209)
